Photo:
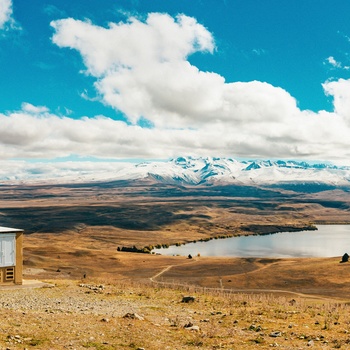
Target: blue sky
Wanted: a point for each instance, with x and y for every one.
(157, 79)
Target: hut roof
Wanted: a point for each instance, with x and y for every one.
(9, 230)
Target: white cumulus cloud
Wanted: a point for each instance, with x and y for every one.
(34, 132)
(331, 60)
(142, 68)
(29, 108)
(340, 90)
(5, 12)
(336, 64)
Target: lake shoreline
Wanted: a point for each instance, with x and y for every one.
(325, 243)
(248, 230)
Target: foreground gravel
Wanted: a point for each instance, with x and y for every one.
(81, 300)
(76, 316)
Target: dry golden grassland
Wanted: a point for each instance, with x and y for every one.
(73, 233)
(56, 259)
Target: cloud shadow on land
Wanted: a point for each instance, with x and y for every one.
(58, 219)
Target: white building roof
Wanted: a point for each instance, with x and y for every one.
(9, 230)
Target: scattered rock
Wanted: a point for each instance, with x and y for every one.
(94, 288)
(255, 328)
(188, 299)
(14, 339)
(192, 328)
(275, 334)
(345, 258)
(133, 316)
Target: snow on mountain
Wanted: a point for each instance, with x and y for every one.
(181, 171)
(196, 171)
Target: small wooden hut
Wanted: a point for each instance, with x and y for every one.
(11, 255)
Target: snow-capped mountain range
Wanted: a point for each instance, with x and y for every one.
(198, 171)
(188, 171)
